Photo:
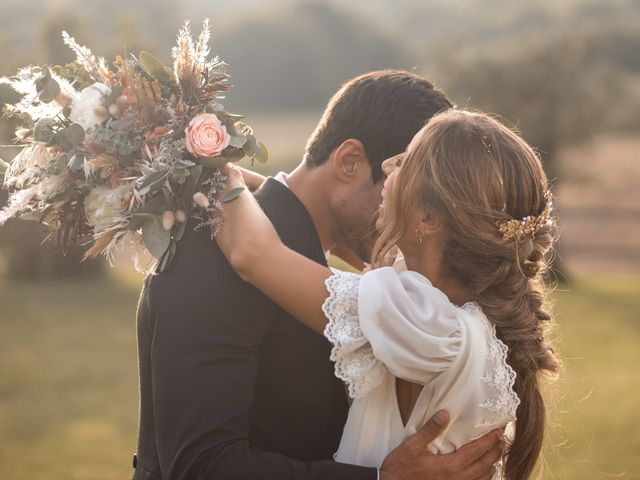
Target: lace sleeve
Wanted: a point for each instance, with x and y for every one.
(502, 401)
(355, 363)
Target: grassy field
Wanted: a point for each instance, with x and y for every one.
(68, 385)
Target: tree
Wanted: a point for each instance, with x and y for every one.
(296, 57)
(554, 92)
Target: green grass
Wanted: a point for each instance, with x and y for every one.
(595, 412)
(68, 380)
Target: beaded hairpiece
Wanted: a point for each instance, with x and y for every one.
(486, 143)
(516, 229)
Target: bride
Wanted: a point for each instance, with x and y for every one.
(461, 328)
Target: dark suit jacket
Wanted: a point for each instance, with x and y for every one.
(231, 386)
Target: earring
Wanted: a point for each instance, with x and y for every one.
(418, 236)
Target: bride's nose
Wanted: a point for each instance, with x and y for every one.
(387, 166)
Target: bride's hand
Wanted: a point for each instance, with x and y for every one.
(246, 234)
(235, 179)
(252, 180)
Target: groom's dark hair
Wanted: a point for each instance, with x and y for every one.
(383, 109)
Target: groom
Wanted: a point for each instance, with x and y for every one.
(231, 386)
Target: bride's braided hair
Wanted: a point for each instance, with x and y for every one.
(475, 174)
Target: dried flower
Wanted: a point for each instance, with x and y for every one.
(99, 180)
(181, 216)
(103, 207)
(168, 219)
(114, 110)
(201, 200)
(83, 109)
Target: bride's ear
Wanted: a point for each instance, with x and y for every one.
(428, 224)
(348, 159)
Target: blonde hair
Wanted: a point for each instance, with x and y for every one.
(471, 171)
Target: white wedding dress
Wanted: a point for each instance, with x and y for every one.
(387, 324)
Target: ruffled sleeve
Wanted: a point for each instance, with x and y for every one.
(413, 328)
(355, 363)
(389, 320)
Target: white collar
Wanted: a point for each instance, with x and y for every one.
(282, 178)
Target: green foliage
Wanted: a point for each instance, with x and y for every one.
(74, 73)
(154, 67)
(116, 140)
(156, 238)
(233, 194)
(47, 87)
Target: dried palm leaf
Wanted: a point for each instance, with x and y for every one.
(96, 67)
(148, 94)
(199, 80)
(100, 244)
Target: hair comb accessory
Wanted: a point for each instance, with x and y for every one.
(517, 229)
(487, 144)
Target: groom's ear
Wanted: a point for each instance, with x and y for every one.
(349, 160)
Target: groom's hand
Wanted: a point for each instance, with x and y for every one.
(412, 460)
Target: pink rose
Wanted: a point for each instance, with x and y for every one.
(206, 136)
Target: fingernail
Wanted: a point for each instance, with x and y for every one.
(440, 418)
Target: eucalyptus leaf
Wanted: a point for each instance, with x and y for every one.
(231, 128)
(262, 155)
(235, 154)
(155, 206)
(138, 220)
(62, 141)
(232, 194)
(74, 134)
(151, 180)
(192, 181)
(178, 230)
(251, 146)
(238, 141)
(50, 91)
(153, 66)
(183, 163)
(214, 162)
(156, 238)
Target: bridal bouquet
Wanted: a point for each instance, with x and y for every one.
(124, 152)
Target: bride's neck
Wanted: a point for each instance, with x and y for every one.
(429, 262)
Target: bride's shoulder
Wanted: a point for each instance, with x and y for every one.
(408, 284)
